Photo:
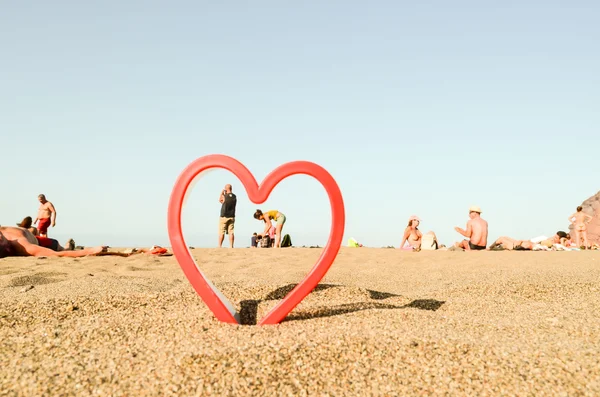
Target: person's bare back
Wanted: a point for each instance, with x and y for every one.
(479, 231)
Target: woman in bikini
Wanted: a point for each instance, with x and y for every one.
(411, 240)
(578, 219)
(267, 217)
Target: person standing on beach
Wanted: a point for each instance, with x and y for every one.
(266, 218)
(477, 231)
(578, 219)
(46, 216)
(228, 202)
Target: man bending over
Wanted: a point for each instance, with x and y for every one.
(15, 241)
(477, 231)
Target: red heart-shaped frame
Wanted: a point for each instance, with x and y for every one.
(214, 299)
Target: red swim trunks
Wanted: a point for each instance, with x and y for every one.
(47, 242)
(43, 225)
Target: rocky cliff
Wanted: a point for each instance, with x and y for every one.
(591, 207)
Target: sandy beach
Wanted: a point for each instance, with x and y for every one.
(382, 322)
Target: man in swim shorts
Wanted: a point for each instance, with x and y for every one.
(476, 232)
(15, 241)
(46, 216)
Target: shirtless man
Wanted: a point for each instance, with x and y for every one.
(16, 241)
(46, 216)
(477, 231)
(578, 219)
(510, 243)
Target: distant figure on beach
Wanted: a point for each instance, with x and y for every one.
(512, 244)
(254, 240)
(559, 237)
(567, 241)
(267, 217)
(414, 240)
(411, 240)
(16, 241)
(27, 223)
(477, 231)
(46, 216)
(228, 202)
(578, 219)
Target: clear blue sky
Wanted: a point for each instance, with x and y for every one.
(414, 107)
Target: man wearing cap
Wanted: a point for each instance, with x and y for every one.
(477, 231)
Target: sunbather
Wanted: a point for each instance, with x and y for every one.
(27, 223)
(411, 240)
(16, 241)
(476, 232)
(512, 244)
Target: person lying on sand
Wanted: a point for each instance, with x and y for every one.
(511, 244)
(27, 223)
(16, 241)
(558, 238)
(567, 241)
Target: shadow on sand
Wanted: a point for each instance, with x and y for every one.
(249, 308)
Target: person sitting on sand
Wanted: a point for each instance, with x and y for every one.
(16, 241)
(578, 220)
(414, 240)
(477, 231)
(411, 240)
(267, 217)
(27, 223)
(512, 244)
